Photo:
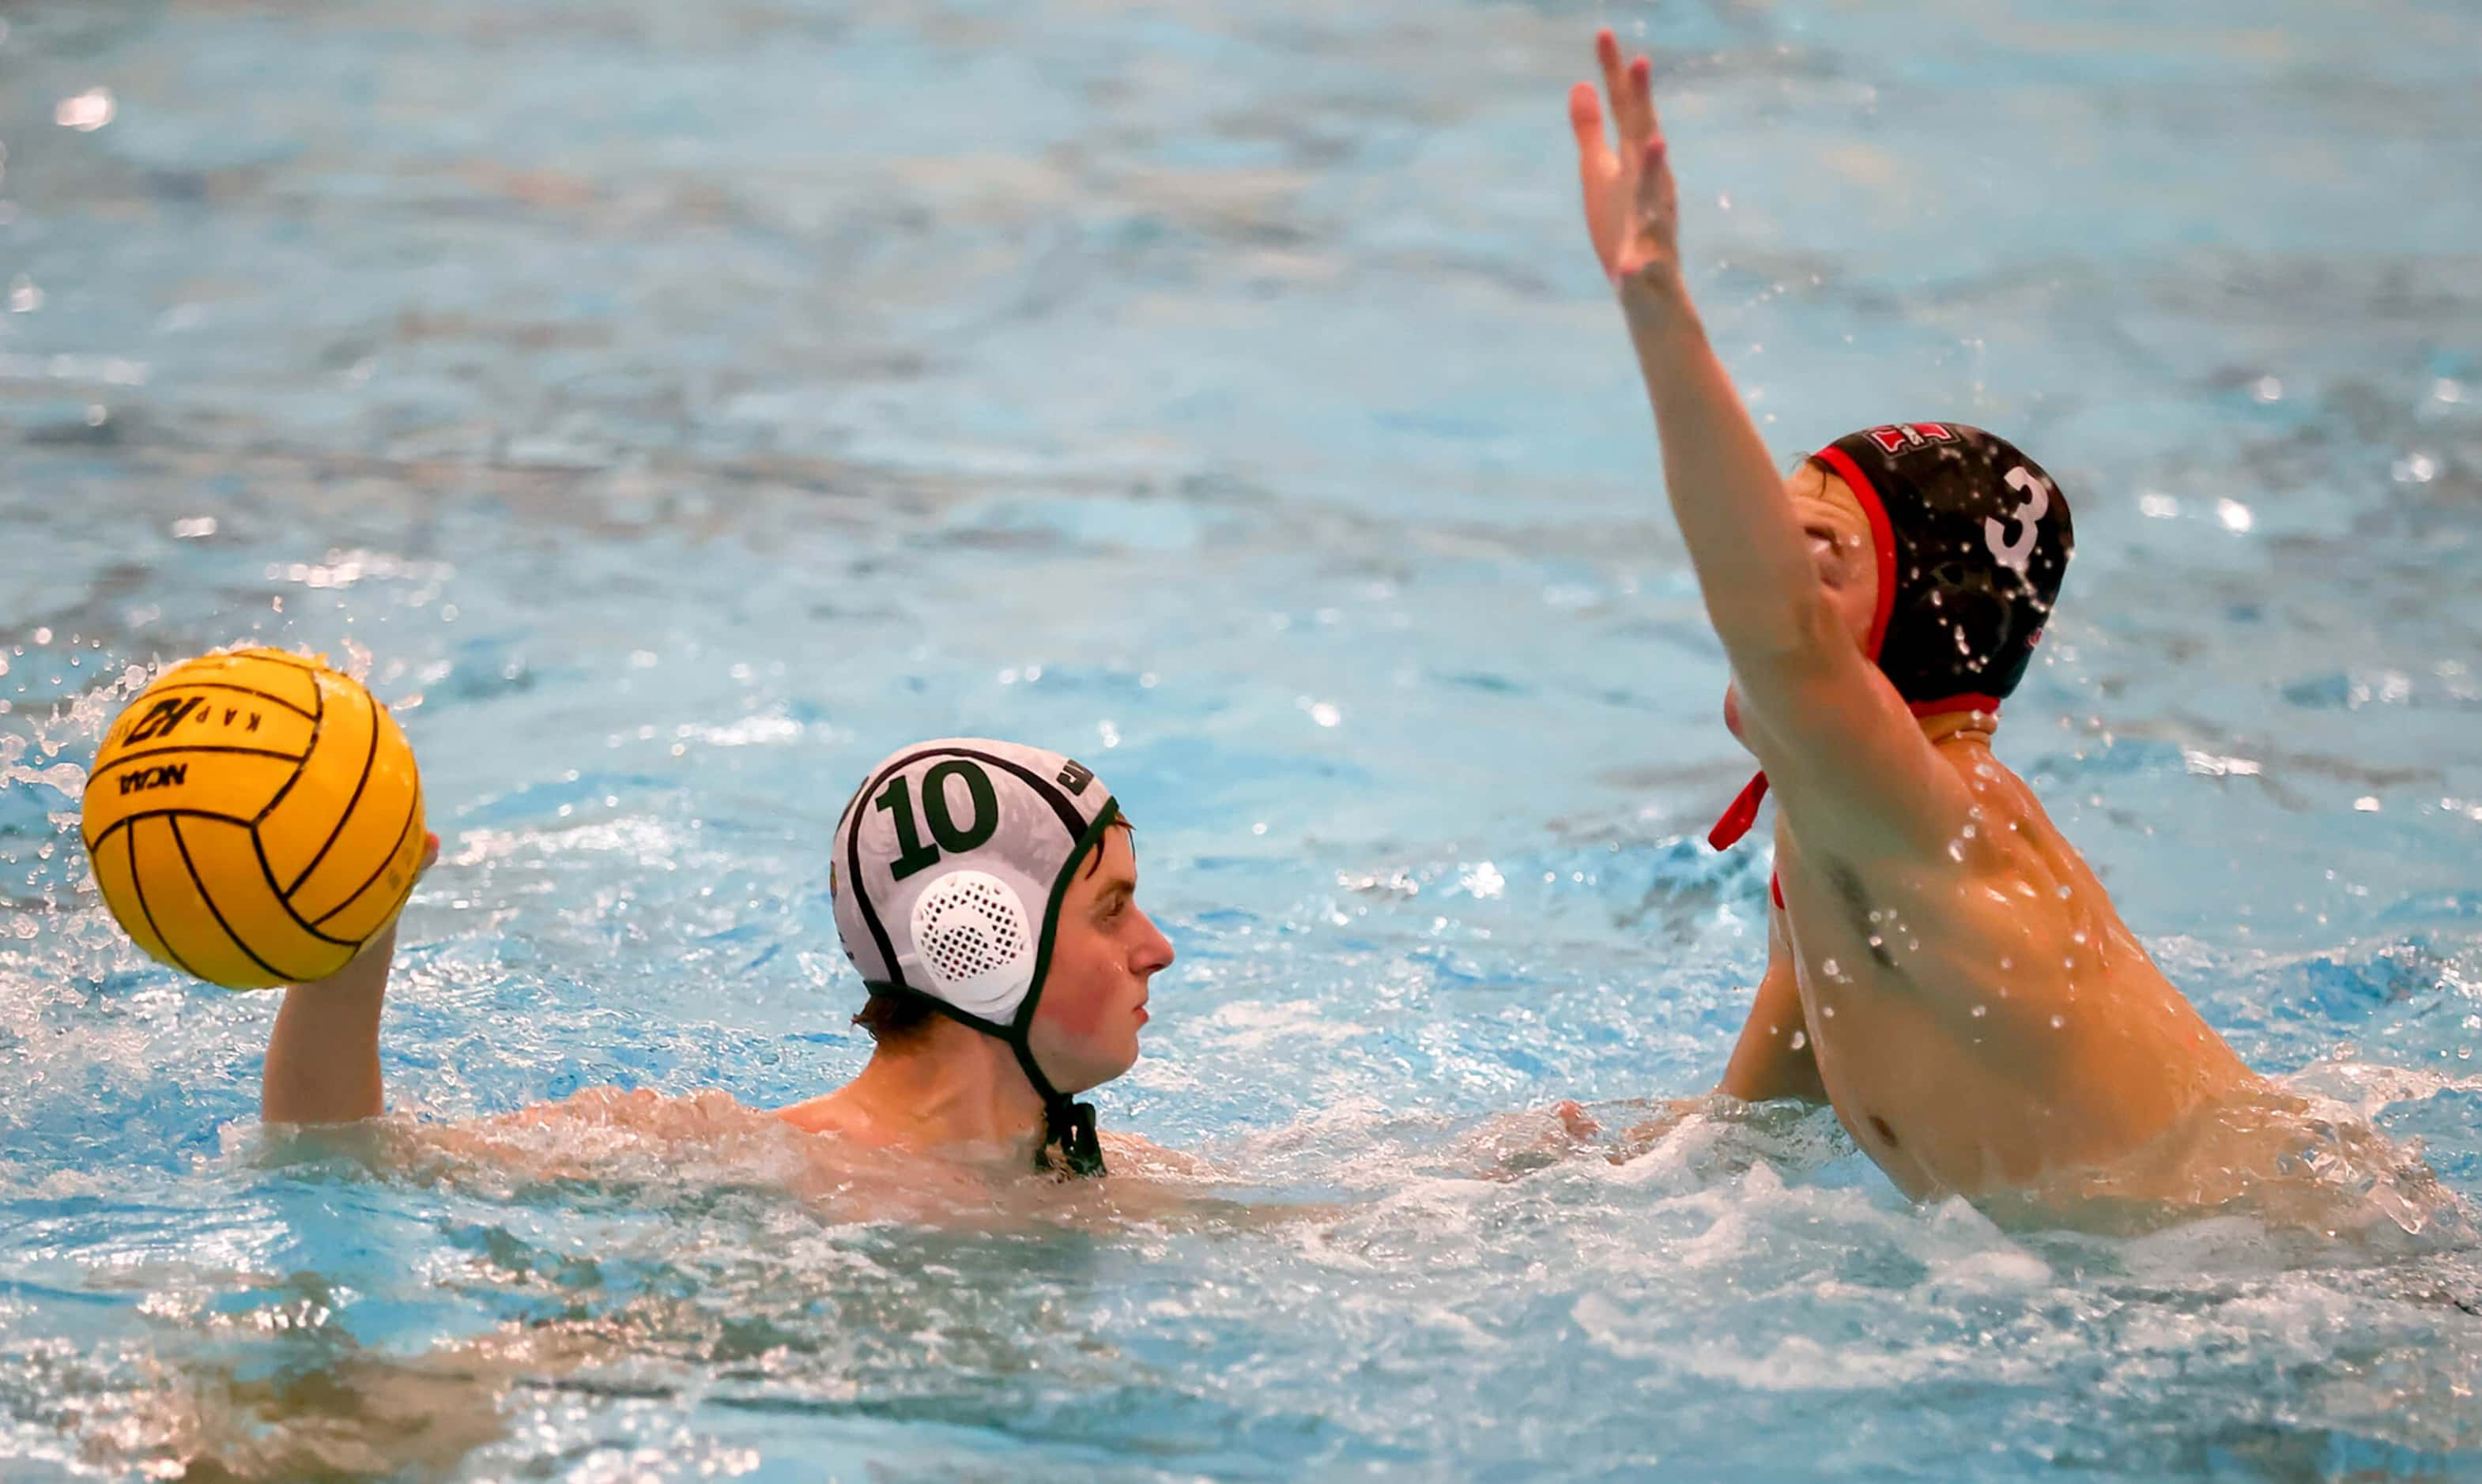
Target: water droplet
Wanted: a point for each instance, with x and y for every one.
(85, 113)
(2058, 1020)
(2062, 891)
(1827, 1010)
(2079, 936)
(1830, 967)
(1981, 1010)
(1800, 1039)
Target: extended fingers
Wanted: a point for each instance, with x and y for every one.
(1607, 56)
(1631, 91)
(1586, 121)
(1640, 83)
(1654, 192)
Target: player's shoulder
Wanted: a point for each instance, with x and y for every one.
(2005, 823)
(1989, 783)
(1133, 1155)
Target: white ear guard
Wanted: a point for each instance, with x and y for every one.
(974, 943)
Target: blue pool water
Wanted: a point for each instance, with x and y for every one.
(677, 406)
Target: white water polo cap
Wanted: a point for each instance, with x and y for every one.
(950, 866)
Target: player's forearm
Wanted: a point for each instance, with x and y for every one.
(323, 1061)
(1752, 562)
(1764, 1067)
(1773, 1057)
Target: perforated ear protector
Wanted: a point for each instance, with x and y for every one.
(975, 940)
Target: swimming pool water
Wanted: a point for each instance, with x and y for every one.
(679, 407)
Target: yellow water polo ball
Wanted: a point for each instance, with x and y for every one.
(253, 818)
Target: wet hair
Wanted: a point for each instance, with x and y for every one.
(894, 1020)
(1094, 862)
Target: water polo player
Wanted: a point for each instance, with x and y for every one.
(987, 891)
(1943, 965)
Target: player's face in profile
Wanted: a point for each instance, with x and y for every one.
(1841, 556)
(1085, 1029)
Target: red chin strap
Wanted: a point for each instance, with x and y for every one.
(1743, 815)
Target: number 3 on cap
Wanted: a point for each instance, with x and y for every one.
(913, 853)
(2015, 551)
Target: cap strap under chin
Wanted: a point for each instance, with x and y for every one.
(1743, 812)
(1070, 1126)
(1066, 1123)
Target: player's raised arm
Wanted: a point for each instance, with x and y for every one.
(1816, 711)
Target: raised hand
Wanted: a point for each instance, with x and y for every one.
(322, 1058)
(1632, 208)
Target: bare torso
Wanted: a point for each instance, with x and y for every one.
(816, 1152)
(1987, 1022)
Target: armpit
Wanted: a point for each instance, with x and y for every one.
(1856, 902)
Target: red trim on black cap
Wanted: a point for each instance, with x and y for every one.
(1882, 541)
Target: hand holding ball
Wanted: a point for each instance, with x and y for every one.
(253, 818)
